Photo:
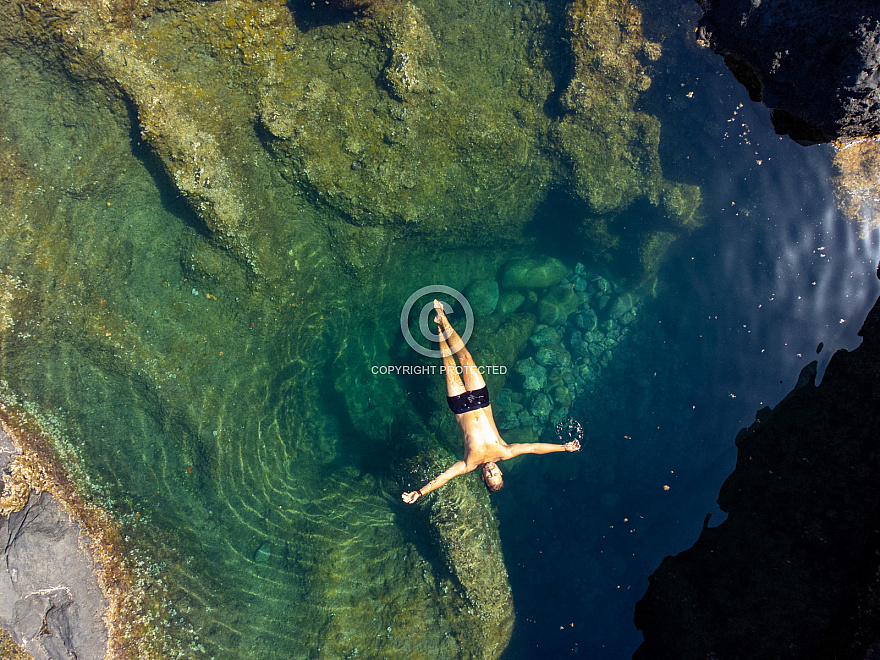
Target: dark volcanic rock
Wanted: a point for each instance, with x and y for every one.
(793, 571)
(815, 63)
(50, 602)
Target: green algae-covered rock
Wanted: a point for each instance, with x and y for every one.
(557, 305)
(544, 335)
(263, 553)
(532, 374)
(553, 356)
(510, 301)
(499, 340)
(587, 320)
(371, 128)
(652, 249)
(464, 530)
(621, 305)
(312, 156)
(532, 273)
(540, 405)
(611, 148)
(482, 296)
(383, 119)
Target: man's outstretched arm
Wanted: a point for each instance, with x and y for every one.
(457, 468)
(520, 448)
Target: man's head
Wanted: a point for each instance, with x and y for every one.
(492, 477)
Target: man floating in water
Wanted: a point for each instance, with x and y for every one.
(469, 400)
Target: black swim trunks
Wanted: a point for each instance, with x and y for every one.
(469, 401)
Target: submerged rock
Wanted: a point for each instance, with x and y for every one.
(532, 273)
(482, 296)
(544, 335)
(557, 305)
(465, 532)
(609, 51)
(510, 301)
(622, 305)
(814, 63)
(587, 320)
(263, 553)
(553, 356)
(533, 375)
(793, 570)
(506, 415)
(540, 406)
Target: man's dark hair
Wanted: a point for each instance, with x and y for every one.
(495, 488)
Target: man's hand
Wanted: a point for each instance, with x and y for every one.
(574, 445)
(410, 497)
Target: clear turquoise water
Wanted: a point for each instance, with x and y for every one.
(244, 443)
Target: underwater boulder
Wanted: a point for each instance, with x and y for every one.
(464, 531)
(263, 553)
(482, 296)
(506, 416)
(562, 396)
(532, 273)
(533, 375)
(600, 286)
(587, 320)
(510, 301)
(553, 356)
(623, 304)
(540, 406)
(579, 348)
(557, 305)
(544, 335)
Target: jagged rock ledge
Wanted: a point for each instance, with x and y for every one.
(815, 63)
(794, 571)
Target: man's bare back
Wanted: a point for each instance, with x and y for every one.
(469, 400)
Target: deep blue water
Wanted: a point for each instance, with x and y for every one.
(744, 303)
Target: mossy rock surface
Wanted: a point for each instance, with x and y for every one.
(521, 274)
(465, 532)
(212, 212)
(482, 296)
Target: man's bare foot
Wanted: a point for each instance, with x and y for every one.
(445, 330)
(440, 319)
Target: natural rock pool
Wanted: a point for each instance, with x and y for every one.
(212, 215)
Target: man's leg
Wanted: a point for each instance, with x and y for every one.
(454, 385)
(473, 379)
